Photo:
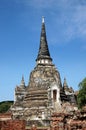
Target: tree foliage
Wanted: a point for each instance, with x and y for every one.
(82, 94)
(5, 105)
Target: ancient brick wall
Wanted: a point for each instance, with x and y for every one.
(56, 125)
(39, 129)
(12, 125)
(5, 116)
(69, 121)
(59, 121)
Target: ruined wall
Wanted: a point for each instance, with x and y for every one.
(5, 116)
(76, 120)
(58, 124)
(12, 125)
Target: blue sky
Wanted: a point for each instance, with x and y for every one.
(20, 27)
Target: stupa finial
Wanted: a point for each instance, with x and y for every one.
(42, 19)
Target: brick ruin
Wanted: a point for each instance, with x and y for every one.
(12, 125)
(76, 120)
(5, 116)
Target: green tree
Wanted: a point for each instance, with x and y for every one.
(81, 98)
(5, 105)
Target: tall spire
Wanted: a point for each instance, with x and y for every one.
(43, 53)
(65, 83)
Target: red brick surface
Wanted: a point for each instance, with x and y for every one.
(59, 121)
(12, 125)
(5, 116)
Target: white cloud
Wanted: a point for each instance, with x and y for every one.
(72, 21)
(68, 17)
(36, 3)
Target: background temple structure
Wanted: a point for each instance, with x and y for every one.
(44, 93)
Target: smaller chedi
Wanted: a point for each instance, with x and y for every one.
(44, 93)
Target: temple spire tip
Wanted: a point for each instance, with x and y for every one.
(42, 19)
